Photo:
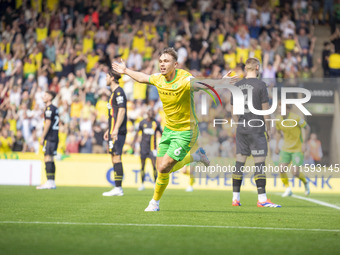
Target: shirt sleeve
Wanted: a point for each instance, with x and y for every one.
(153, 79)
(188, 80)
(48, 113)
(121, 100)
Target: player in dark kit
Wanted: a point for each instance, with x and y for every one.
(251, 138)
(50, 139)
(116, 133)
(149, 128)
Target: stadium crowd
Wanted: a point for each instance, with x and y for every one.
(67, 47)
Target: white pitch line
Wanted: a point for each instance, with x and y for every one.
(169, 225)
(317, 202)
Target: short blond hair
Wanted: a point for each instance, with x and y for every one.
(251, 64)
(171, 51)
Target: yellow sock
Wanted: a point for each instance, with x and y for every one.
(302, 178)
(192, 181)
(187, 159)
(284, 179)
(161, 184)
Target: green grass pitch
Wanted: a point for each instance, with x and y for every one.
(203, 208)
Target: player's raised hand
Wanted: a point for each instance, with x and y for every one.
(119, 67)
(231, 79)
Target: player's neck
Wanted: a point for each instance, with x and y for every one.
(170, 76)
(48, 104)
(114, 87)
(251, 75)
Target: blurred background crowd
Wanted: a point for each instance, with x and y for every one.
(67, 46)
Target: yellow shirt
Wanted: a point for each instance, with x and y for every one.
(38, 59)
(5, 144)
(59, 61)
(138, 43)
(76, 109)
(5, 48)
(87, 45)
(258, 54)
(101, 109)
(87, 111)
(139, 91)
(91, 62)
(13, 125)
(220, 38)
(176, 98)
(289, 44)
(334, 61)
(18, 4)
(55, 33)
(292, 136)
(41, 33)
(29, 69)
(124, 52)
(52, 4)
(148, 53)
(117, 7)
(37, 5)
(230, 59)
(242, 55)
(106, 3)
(62, 142)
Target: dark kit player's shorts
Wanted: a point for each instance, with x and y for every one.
(251, 144)
(50, 148)
(147, 154)
(116, 147)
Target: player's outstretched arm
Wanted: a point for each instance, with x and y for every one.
(138, 76)
(226, 80)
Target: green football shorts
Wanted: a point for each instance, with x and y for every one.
(295, 157)
(177, 144)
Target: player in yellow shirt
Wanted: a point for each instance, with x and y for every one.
(180, 132)
(295, 139)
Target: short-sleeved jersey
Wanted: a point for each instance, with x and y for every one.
(292, 136)
(149, 130)
(117, 100)
(177, 100)
(259, 96)
(51, 113)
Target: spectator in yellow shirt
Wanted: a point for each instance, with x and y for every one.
(92, 60)
(101, 106)
(87, 43)
(6, 141)
(41, 32)
(139, 42)
(76, 107)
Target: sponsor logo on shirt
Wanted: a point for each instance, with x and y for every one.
(120, 100)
